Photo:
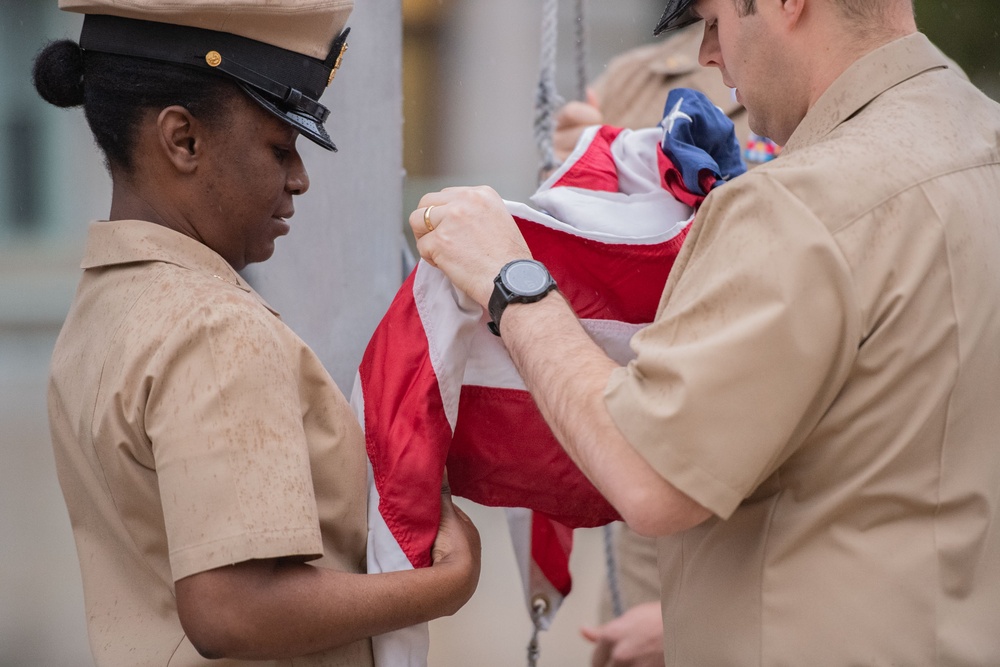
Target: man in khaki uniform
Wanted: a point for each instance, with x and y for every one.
(214, 474)
(631, 93)
(810, 422)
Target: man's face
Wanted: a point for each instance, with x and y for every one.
(753, 57)
(253, 172)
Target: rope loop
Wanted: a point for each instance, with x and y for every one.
(539, 607)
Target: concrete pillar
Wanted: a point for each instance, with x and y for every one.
(335, 274)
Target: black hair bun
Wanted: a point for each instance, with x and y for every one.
(58, 73)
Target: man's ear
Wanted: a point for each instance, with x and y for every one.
(792, 10)
(180, 138)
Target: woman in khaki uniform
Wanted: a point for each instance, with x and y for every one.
(214, 474)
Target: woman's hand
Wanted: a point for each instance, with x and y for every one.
(457, 551)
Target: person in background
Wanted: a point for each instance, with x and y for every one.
(214, 474)
(631, 92)
(809, 425)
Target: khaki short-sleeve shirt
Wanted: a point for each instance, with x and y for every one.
(192, 429)
(823, 375)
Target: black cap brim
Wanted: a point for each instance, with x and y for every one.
(307, 126)
(285, 83)
(677, 15)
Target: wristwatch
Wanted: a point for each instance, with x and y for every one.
(520, 281)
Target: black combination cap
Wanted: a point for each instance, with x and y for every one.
(677, 15)
(286, 83)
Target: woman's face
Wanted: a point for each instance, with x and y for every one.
(249, 175)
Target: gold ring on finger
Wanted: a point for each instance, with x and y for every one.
(427, 219)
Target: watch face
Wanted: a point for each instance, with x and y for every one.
(526, 278)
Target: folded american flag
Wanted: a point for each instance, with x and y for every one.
(437, 391)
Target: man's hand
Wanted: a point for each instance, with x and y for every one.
(571, 121)
(469, 235)
(635, 639)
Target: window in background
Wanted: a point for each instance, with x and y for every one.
(423, 22)
(22, 181)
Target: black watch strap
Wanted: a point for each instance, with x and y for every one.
(499, 301)
(519, 281)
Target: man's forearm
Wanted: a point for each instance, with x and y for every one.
(566, 373)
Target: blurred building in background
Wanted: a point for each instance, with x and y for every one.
(50, 180)
(433, 93)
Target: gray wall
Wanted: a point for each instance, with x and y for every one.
(334, 275)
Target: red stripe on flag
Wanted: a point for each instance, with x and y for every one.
(551, 544)
(504, 455)
(604, 281)
(406, 430)
(596, 168)
(672, 180)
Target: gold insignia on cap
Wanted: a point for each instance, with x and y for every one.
(213, 58)
(336, 65)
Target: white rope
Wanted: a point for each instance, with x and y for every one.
(547, 104)
(581, 53)
(610, 560)
(547, 100)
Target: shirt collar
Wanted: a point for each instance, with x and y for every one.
(115, 242)
(863, 81)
